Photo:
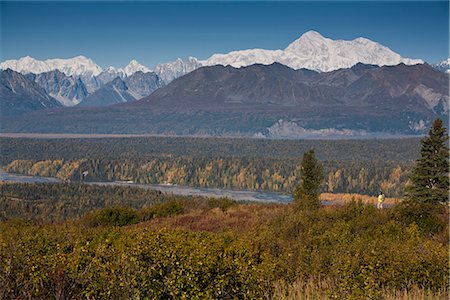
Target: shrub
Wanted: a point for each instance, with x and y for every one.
(164, 209)
(427, 216)
(223, 203)
(113, 216)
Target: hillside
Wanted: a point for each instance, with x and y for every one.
(269, 101)
(19, 95)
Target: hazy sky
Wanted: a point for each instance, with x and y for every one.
(113, 33)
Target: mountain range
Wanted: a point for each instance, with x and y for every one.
(119, 90)
(315, 86)
(311, 51)
(72, 81)
(267, 101)
(68, 90)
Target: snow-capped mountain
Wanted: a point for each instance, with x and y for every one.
(443, 66)
(111, 72)
(172, 70)
(315, 52)
(76, 66)
(134, 67)
(311, 51)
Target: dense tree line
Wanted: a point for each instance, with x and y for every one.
(393, 150)
(281, 175)
(350, 166)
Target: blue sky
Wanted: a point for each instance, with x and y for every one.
(113, 33)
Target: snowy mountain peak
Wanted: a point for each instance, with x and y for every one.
(111, 69)
(443, 66)
(76, 66)
(133, 67)
(316, 52)
(25, 65)
(171, 70)
(310, 36)
(79, 66)
(309, 42)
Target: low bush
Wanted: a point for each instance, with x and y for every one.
(223, 203)
(430, 218)
(352, 251)
(163, 209)
(113, 216)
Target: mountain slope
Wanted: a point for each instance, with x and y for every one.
(443, 66)
(68, 90)
(110, 73)
(128, 89)
(220, 88)
(315, 52)
(172, 70)
(19, 95)
(270, 101)
(113, 92)
(143, 84)
(92, 75)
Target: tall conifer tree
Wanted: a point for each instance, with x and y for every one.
(430, 178)
(306, 195)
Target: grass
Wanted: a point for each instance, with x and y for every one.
(347, 198)
(315, 289)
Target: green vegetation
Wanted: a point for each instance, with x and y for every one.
(429, 178)
(393, 150)
(165, 209)
(53, 202)
(58, 202)
(306, 195)
(113, 216)
(348, 252)
(237, 173)
(428, 192)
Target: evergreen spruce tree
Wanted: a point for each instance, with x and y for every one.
(429, 178)
(306, 195)
(427, 194)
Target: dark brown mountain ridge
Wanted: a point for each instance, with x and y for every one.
(251, 100)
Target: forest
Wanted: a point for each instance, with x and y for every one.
(351, 166)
